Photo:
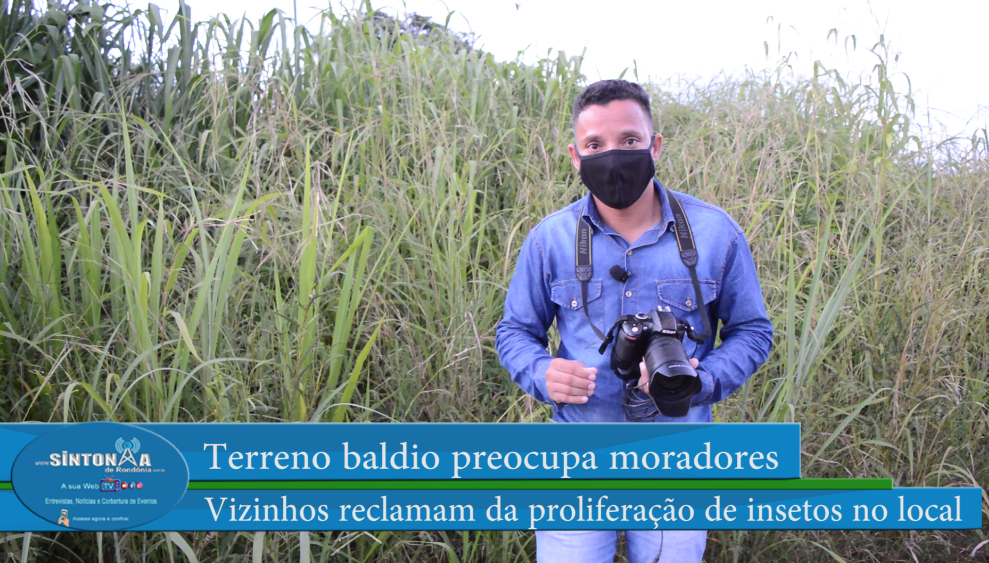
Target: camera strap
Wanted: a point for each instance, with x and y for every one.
(688, 254)
(584, 266)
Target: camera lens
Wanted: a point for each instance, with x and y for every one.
(669, 368)
(672, 384)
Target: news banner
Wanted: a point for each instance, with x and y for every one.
(106, 476)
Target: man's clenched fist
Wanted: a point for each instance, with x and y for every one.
(569, 381)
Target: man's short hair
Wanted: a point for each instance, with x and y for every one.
(603, 92)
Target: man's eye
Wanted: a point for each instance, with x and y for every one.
(631, 142)
(593, 146)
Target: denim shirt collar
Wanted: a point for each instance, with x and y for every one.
(590, 211)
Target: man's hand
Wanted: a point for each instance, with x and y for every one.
(569, 381)
(644, 376)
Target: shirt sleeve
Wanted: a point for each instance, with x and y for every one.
(746, 331)
(529, 311)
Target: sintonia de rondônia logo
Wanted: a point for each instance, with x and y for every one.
(127, 453)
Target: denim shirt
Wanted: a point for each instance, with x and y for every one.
(544, 287)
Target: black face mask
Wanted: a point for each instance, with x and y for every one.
(619, 176)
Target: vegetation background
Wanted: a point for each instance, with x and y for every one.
(246, 221)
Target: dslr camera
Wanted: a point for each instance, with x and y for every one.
(656, 337)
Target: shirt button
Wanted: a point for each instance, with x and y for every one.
(689, 303)
(628, 294)
(574, 303)
(629, 253)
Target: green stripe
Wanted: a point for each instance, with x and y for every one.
(548, 485)
(560, 484)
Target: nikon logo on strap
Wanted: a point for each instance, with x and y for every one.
(680, 222)
(583, 241)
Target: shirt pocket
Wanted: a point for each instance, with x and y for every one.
(570, 318)
(680, 297)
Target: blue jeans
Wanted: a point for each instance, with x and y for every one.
(671, 546)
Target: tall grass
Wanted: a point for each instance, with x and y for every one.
(244, 221)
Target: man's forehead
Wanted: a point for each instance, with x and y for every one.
(621, 118)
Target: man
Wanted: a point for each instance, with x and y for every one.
(632, 227)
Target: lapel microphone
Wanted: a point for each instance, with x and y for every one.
(619, 273)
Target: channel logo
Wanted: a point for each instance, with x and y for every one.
(126, 450)
(88, 463)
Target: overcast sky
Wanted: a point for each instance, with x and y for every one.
(940, 44)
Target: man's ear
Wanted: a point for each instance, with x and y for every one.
(574, 159)
(657, 146)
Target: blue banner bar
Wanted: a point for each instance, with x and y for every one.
(280, 451)
(897, 509)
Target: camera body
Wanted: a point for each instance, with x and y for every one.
(657, 337)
